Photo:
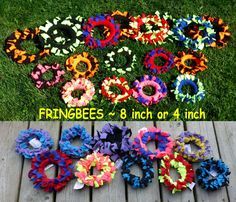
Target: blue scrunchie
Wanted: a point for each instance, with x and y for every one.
(208, 181)
(71, 150)
(208, 33)
(146, 166)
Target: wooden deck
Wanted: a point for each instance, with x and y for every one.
(15, 185)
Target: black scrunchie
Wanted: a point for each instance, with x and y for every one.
(113, 141)
(62, 36)
(144, 163)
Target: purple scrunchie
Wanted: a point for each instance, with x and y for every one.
(113, 141)
(23, 146)
(200, 141)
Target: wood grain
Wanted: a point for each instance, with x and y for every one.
(226, 136)
(10, 161)
(207, 130)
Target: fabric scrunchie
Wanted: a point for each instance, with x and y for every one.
(42, 138)
(113, 141)
(75, 151)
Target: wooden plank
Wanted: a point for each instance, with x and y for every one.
(11, 162)
(206, 128)
(150, 193)
(226, 136)
(68, 193)
(27, 191)
(114, 191)
(174, 128)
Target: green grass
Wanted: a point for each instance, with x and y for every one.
(20, 100)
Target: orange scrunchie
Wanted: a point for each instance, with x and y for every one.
(198, 59)
(17, 53)
(90, 61)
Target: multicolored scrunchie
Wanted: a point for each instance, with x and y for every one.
(78, 84)
(149, 29)
(40, 179)
(168, 57)
(184, 27)
(75, 151)
(145, 135)
(62, 36)
(183, 147)
(222, 31)
(213, 174)
(98, 21)
(39, 70)
(90, 61)
(101, 163)
(113, 141)
(198, 92)
(112, 64)
(121, 83)
(146, 166)
(197, 59)
(23, 146)
(15, 51)
(184, 169)
(121, 18)
(160, 90)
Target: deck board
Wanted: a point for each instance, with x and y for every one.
(68, 193)
(207, 129)
(174, 128)
(10, 162)
(114, 191)
(150, 193)
(226, 136)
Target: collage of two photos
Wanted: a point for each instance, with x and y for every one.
(117, 100)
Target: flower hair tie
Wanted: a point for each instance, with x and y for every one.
(149, 61)
(155, 28)
(97, 21)
(197, 94)
(198, 62)
(101, 163)
(75, 151)
(159, 87)
(184, 169)
(213, 174)
(145, 135)
(90, 61)
(146, 166)
(78, 84)
(40, 179)
(62, 36)
(120, 83)
(184, 31)
(113, 141)
(222, 31)
(183, 146)
(130, 58)
(39, 70)
(32, 142)
(17, 53)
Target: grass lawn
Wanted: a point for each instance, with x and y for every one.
(20, 100)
